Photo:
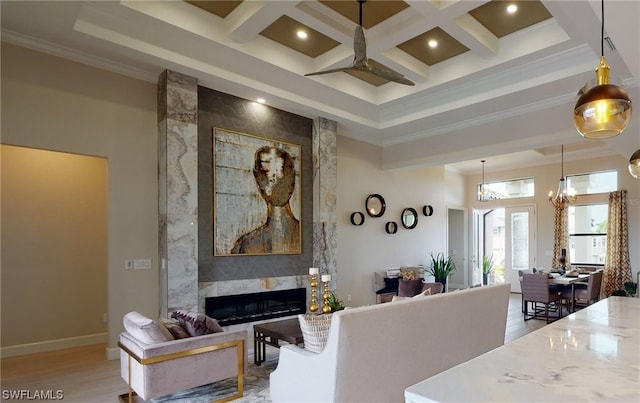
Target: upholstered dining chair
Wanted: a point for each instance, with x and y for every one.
(520, 273)
(585, 293)
(535, 289)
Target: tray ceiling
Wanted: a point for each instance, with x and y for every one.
(476, 94)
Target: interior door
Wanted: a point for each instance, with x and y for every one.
(519, 243)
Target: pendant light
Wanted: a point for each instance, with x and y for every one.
(562, 197)
(605, 110)
(634, 164)
(481, 195)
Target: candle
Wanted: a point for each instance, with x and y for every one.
(326, 277)
(314, 270)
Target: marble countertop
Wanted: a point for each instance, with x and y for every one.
(590, 355)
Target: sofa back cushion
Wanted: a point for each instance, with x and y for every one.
(382, 348)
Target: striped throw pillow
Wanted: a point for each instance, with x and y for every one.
(315, 331)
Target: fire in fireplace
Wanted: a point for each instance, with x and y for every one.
(233, 309)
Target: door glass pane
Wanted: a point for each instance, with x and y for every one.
(520, 241)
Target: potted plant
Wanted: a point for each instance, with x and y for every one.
(335, 303)
(487, 268)
(440, 267)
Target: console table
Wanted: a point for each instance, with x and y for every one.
(593, 354)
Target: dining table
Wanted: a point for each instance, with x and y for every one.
(568, 280)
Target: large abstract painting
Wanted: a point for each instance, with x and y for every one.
(256, 195)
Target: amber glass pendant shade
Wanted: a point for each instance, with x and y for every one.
(605, 110)
(634, 164)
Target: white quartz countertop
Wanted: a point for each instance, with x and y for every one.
(590, 355)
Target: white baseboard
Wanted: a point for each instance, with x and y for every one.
(113, 353)
(51, 345)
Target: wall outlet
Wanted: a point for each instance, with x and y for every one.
(348, 297)
(128, 264)
(105, 318)
(142, 264)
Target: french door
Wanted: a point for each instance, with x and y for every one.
(507, 235)
(519, 243)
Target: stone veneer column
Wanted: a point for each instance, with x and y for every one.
(325, 184)
(178, 191)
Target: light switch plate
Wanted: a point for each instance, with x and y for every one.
(142, 264)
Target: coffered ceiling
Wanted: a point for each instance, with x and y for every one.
(497, 85)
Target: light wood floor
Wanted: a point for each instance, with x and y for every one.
(85, 376)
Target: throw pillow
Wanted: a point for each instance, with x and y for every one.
(173, 326)
(196, 324)
(407, 274)
(393, 272)
(424, 293)
(315, 331)
(409, 288)
(390, 285)
(145, 329)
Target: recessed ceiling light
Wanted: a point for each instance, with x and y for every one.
(260, 100)
(433, 43)
(512, 8)
(301, 34)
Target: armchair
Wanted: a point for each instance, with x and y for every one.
(158, 369)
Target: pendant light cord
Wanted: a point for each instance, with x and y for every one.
(562, 161)
(361, 2)
(601, 29)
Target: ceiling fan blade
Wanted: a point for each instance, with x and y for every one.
(359, 46)
(390, 75)
(317, 73)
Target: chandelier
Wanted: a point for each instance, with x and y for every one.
(481, 192)
(562, 198)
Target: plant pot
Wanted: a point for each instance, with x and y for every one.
(485, 279)
(443, 281)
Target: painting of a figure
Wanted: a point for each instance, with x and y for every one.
(257, 195)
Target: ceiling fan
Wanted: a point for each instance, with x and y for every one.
(361, 62)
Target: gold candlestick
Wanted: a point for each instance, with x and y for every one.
(325, 297)
(313, 308)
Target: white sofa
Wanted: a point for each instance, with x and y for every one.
(374, 352)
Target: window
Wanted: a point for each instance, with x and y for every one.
(508, 189)
(588, 233)
(593, 183)
(588, 223)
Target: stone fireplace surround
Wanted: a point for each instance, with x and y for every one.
(178, 150)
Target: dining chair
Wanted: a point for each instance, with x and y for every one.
(535, 289)
(585, 293)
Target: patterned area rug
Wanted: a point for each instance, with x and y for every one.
(256, 386)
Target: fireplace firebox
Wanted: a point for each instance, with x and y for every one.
(243, 308)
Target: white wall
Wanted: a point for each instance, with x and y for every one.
(546, 178)
(55, 104)
(368, 248)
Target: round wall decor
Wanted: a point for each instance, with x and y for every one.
(357, 218)
(427, 210)
(409, 218)
(391, 227)
(375, 205)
